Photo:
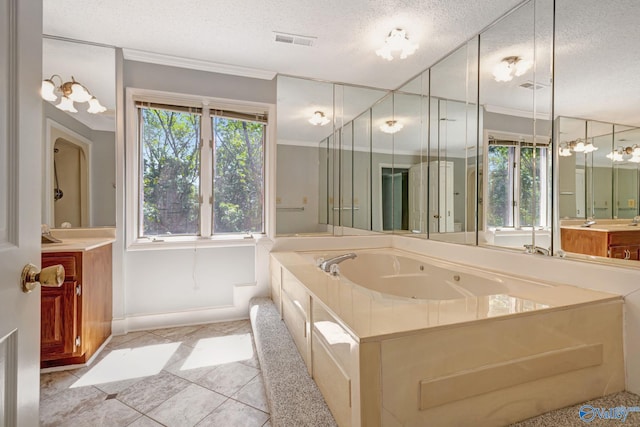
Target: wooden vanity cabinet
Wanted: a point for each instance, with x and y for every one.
(76, 317)
(612, 244)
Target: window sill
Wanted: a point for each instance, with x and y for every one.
(192, 242)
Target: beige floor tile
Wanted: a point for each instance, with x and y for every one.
(144, 422)
(253, 394)
(188, 407)
(147, 339)
(176, 334)
(267, 424)
(172, 395)
(214, 330)
(192, 374)
(108, 413)
(228, 379)
(68, 404)
(152, 391)
(235, 414)
(118, 340)
(53, 383)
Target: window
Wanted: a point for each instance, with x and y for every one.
(200, 170)
(517, 184)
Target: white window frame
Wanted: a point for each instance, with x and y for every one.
(515, 187)
(132, 171)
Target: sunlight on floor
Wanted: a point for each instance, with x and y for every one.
(129, 363)
(219, 350)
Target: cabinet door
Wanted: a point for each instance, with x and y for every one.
(59, 308)
(630, 252)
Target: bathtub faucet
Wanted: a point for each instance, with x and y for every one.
(532, 249)
(326, 264)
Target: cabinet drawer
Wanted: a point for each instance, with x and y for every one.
(625, 252)
(296, 292)
(297, 325)
(69, 262)
(332, 381)
(624, 238)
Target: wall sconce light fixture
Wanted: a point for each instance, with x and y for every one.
(319, 119)
(578, 146)
(391, 126)
(70, 92)
(510, 66)
(397, 40)
(622, 153)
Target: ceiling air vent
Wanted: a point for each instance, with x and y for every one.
(294, 39)
(533, 86)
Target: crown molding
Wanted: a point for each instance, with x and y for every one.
(196, 64)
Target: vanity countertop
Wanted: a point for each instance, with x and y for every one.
(369, 316)
(77, 244)
(608, 228)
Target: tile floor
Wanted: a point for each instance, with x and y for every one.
(205, 375)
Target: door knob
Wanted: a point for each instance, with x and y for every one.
(51, 277)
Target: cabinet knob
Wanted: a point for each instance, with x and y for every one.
(51, 277)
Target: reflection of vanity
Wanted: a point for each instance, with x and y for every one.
(76, 317)
(614, 240)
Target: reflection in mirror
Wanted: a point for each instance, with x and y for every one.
(303, 155)
(625, 172)
(382, 161)
(452, 146)
(408, 161)
(354, 104)
(412, 106)
(361, 202)
(604, 105)
(334, 152)
(79, 147)
(515, 94)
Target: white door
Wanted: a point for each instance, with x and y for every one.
(441, 197)
(580, 194)
(20, 201)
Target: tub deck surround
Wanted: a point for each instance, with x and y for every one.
(490, 358)
(369, 314)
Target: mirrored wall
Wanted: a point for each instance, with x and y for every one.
(79, 146)
(486, 147)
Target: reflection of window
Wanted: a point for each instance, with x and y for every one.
(517, 184)
(189, 186)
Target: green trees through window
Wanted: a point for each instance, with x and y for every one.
(516, 185)
(171, 173)
(238, 190)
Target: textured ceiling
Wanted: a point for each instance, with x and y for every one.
(241, 32)
(597, 54)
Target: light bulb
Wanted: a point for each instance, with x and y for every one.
(589, 148)
(66, 104)
(79, 93)
(391, 126)
(579, 147)
(46, 90)
(319, 119)
(564, 152)
(95, 107)
(522, 66)
(397, 40)
(502, 72)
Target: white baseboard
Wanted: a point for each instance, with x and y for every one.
(142, 322)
